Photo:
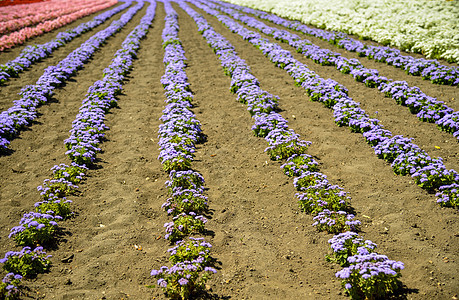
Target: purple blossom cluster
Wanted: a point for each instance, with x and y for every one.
(35, 228)
(26, 262)
(428, 69)
(178, 136)
(34, 53)
(24, 110)
(427, 109)
(40, 226)
(430, 175)
(9, 287)
(328, 203)
(360, 278)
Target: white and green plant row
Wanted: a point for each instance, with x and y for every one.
(430, 27)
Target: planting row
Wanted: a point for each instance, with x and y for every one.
(366, 274)
(23, 111)
(40, 227)
(34, 53)
(19, 37)
(415, 26)
(23, 11)
(178, 135)
(406, 157)
(13, 24)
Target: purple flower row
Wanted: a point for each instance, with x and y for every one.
(428, 69)
(428, 109)
(331, 212)
(406, 157)
(178, 136)
(40, 226)
(24, 110)
(34, 53)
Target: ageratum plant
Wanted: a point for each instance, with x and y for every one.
(26, 262)
(185, 180)
(56, 188)
(284, 143)
(183, 279)
(448, 195)
(347, 244)
(335, 221)
(323, 196)
(297, 164)
(185, 201)
(195, 249)
(183, 225)
(73, 173)
(9, 287)
(35, 229)
(308, 179)
(371, 276)
(58, 207)
(267, 122)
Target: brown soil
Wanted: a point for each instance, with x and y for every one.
(265, 246)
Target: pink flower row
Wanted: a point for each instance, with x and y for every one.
(23, 10)
(14, 24)
(19, 37)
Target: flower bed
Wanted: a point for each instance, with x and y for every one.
(19, 37)
(34, 53)
(190, 257)
(40, 227)
(429, 173)
(24, 110)
(375, 275)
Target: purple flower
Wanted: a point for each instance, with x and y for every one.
(183, 281)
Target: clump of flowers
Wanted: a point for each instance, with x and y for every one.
(73, 173)
(185, 201)
(371, 276)
(183, 225)
(284, 143)
(26, 262)
(448, 195)
(185, 180)
(195, 249)
(9, 287)
(59, 207)
(335, 221)
(347, 244)
(182, 279)
(56, 187)
(267, 122)
(35, 228)
(297, 164)
(307, 179)
(316, 199)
